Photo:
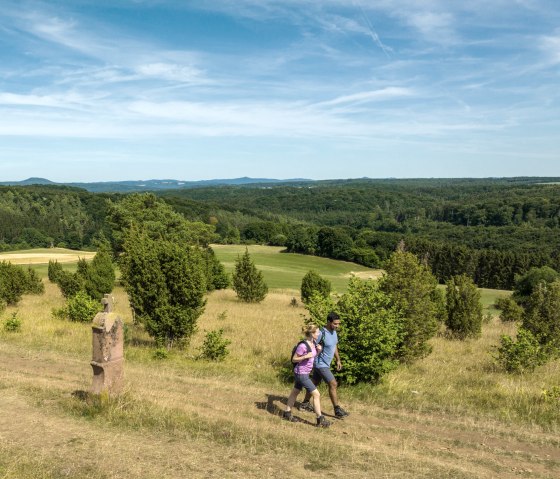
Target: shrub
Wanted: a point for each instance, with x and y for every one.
(527, 283)
(99, 275)
(165, 283)
(311, 283)
(33, 284)
(248, 281)
(69, 283)
(522, 355)
(54, 269)
(13, 324)
(81, 308)
(370, 333)
(412, 289)
(542, 316)
(464, 310)
(511, 311)
(12, 283)
(214, 347)
(160, 353)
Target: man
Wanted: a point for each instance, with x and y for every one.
(321, 368)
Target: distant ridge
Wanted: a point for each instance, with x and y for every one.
(154, 185)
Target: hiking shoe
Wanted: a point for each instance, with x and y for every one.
(339, 412)
(287, 416)
(322, 422)
(306, 406)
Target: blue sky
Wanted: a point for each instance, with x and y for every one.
(100, 90)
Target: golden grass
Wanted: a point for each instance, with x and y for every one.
(452, 414)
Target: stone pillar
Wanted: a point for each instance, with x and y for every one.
(108, 351)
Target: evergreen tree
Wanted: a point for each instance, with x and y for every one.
(166, 286)
(100, 278)
(412, 288)
(54, 268)
(464, 310)
(248, 281)
(542, 316)
(311, 283)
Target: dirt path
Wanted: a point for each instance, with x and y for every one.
(235, 431)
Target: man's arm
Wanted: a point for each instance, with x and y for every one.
(337, 357)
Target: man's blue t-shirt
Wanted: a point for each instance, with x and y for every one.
(325, 357)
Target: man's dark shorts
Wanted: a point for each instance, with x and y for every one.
(304, 382)
(322, 374)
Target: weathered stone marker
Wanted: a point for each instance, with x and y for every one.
(108, 351)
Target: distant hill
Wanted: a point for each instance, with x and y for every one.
(153, 185)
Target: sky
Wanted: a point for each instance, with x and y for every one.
(109, 90)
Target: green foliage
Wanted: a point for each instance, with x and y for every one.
(510, 310)
(216, 276)
(13, 323)
(521, 355)
(13, 283)
(69, 283)
(33, 283)
(81, 308)
(165, 284)
(542, 316)
(54, 269)
(464, 309)
(248, 281)
(160, 353)
(157, 220)
(214, 347)
(318, 307)
(527, 283)
(311, 283)
(551, 394)
(99, 276)
(370, 333)
(412, 289)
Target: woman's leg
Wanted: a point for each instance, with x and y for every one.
(316, 401)
(292, 399)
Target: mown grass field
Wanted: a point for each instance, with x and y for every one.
(452, 414)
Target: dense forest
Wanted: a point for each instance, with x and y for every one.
(491, 229)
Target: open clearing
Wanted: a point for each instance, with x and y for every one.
(45, 255)
(450, 415)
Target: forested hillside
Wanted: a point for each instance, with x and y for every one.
(491, 229)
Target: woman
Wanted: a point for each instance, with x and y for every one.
(303, 357)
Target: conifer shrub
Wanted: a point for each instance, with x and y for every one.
(413, 289)
(53, 270)
(464, 309)
(166, 285)
(13, 283)
(215, 346)
(248, 281)
(510, 310)
(311, 283)
(69, 283)
(542, 316)
(99, 275)
(33, 284)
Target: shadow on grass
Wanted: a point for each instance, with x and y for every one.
(270, 406)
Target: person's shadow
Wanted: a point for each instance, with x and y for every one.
(270, 406)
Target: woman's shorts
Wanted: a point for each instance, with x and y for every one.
(304, 382)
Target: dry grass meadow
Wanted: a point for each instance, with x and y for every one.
(453, 414)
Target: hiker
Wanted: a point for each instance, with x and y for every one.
(303, 356)
(328, 339)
